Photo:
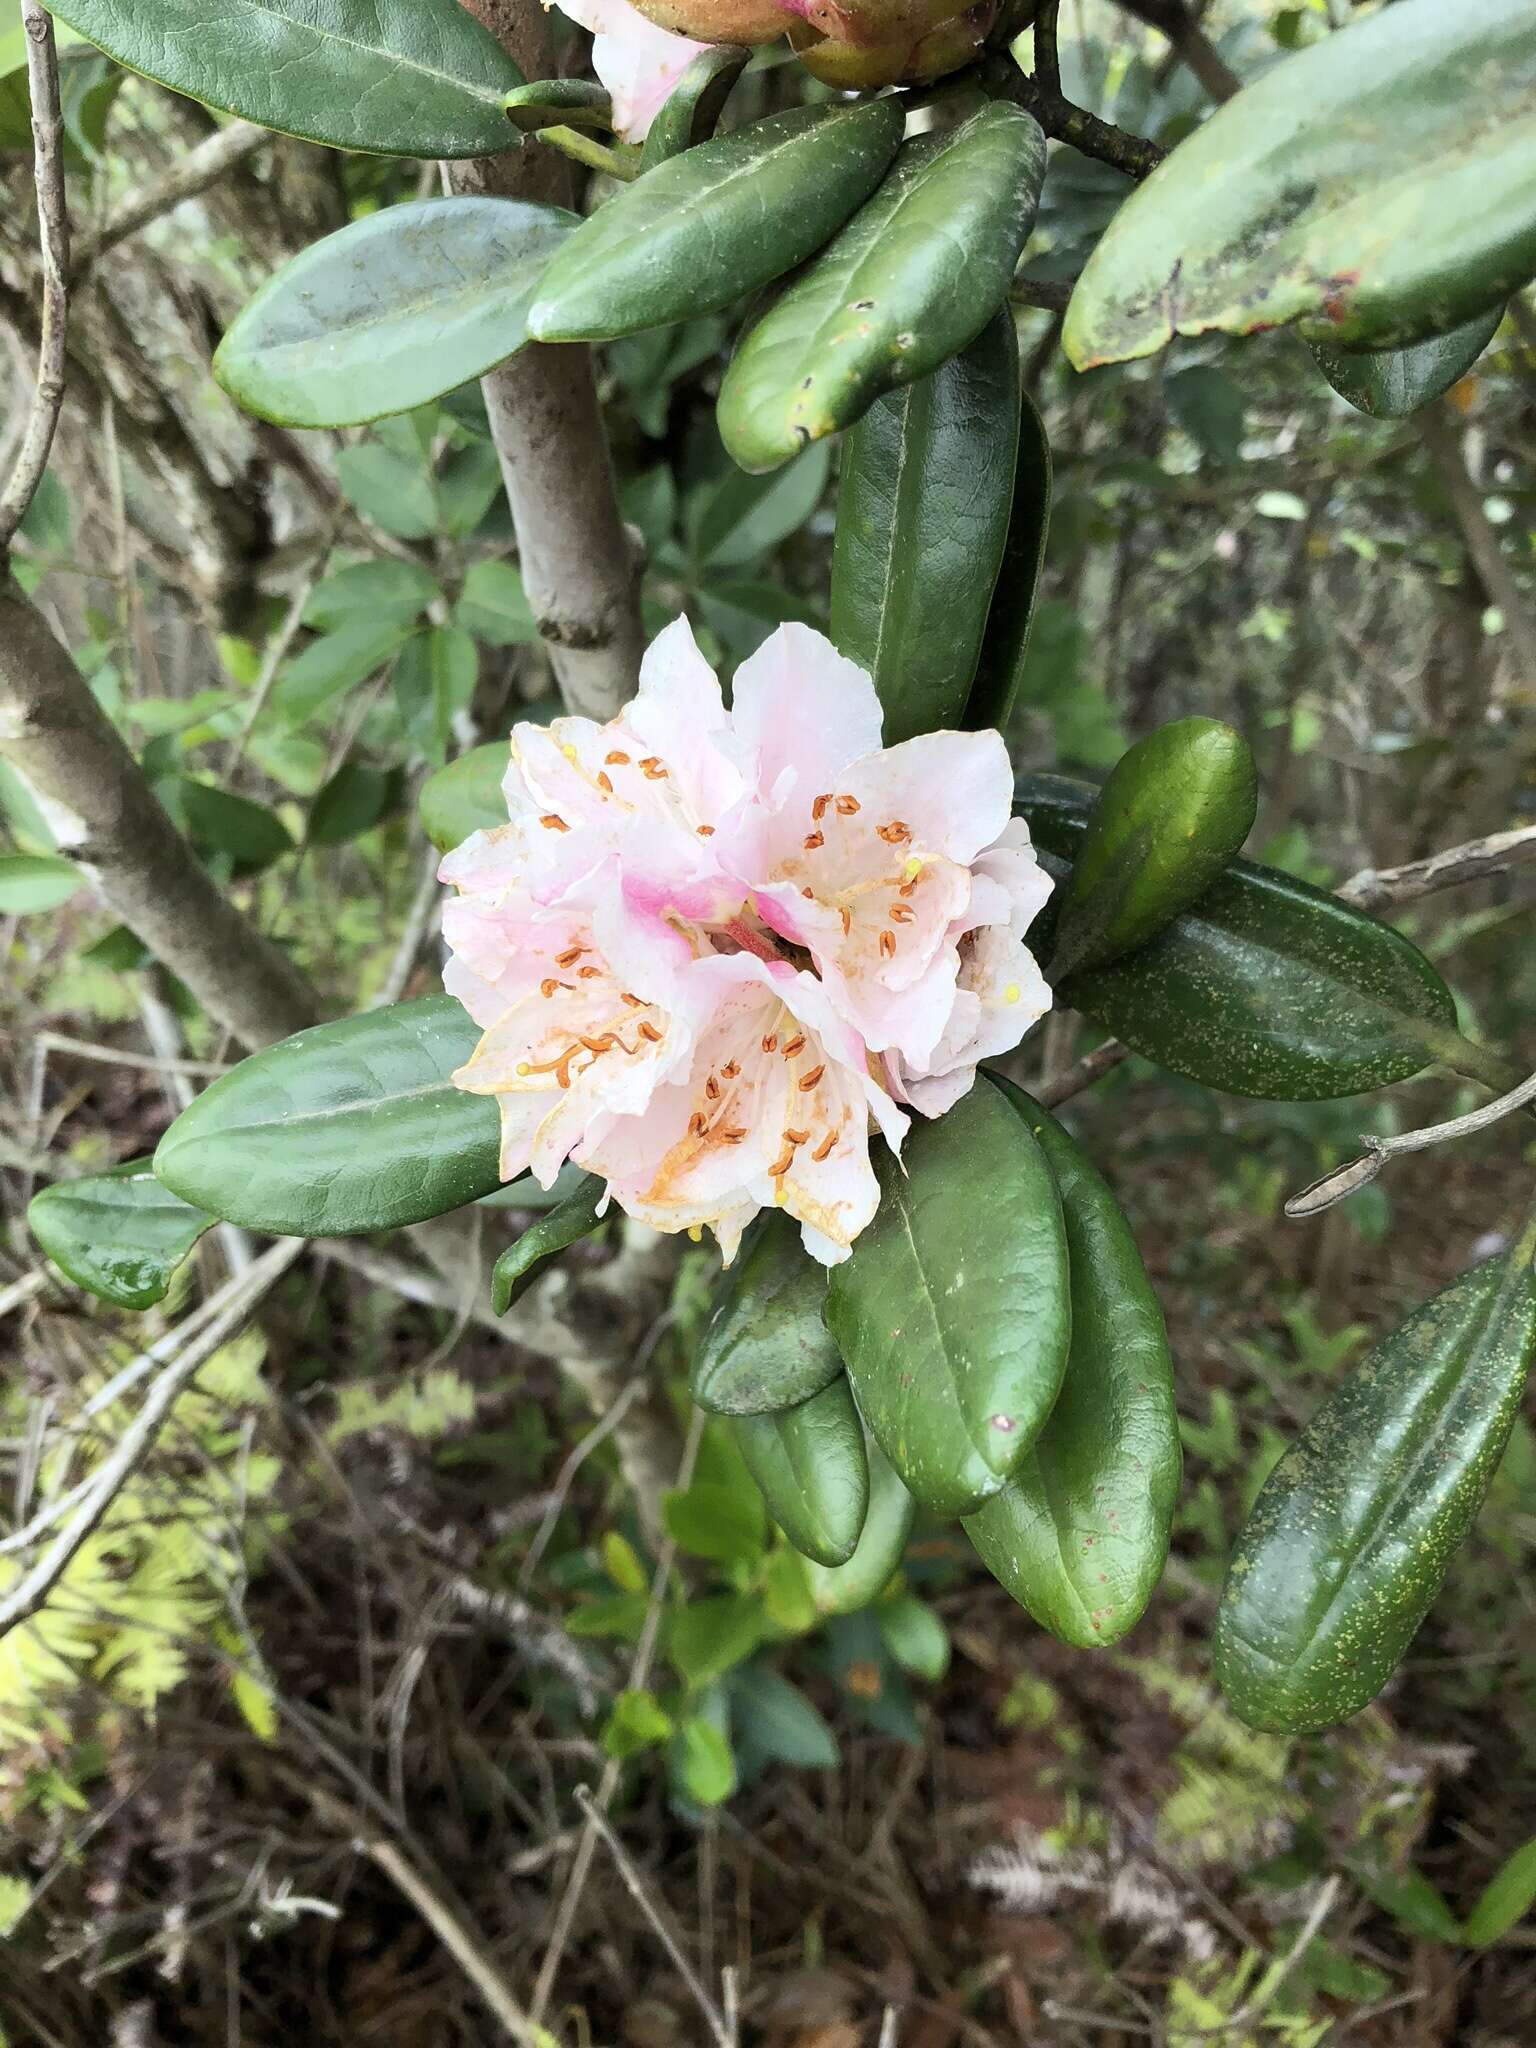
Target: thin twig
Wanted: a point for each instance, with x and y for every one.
(183, 179)
(109, 1055)
(639, 1673)
(1093, 1066)
(276, 651)
(1173, 19)
(19, 1292)
(113, 1474)
(450, 1924)
(1047, 294)
(565, 1478)
(413, 933)
(1061, 119)
(1474, 861)
(53, 243)
(1047, 56)
(1359, 1173)
(635, 1885)
(1275, 1979)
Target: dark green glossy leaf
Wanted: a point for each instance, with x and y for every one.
(1171, 816)
(556, 1231)
(1350, 1538)
(766, 1345)
(465, 796)
(952, 1311)
(1391, 383)
(740, 517)
(698, 231)
(355, 799)
(219, 821)
(845, 1588)
(1000, 669)
(695, 104)
(913, 277)
(1265, 987)
(433, 678)
(1376, 188)
(347, 1127)
(400, 77)
(809, 1462)
(391, 311)
(923, 506)
(36, 881)
(120, 1235)
(560, 103)
(1079, 1534)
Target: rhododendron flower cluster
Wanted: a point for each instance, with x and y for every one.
(711, 950)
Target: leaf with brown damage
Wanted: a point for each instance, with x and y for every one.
(1375, 188)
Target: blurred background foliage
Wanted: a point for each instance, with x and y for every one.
(381, 1551)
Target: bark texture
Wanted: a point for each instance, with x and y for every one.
(579, 567)
(106, 816)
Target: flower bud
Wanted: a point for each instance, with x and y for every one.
(719, 21)
(866, 44)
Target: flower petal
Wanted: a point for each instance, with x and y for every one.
(806, 710)
(638, 62)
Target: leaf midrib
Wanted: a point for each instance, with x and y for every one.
(390, 60)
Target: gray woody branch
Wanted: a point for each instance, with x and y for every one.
(105, 815)
(579, 567)
(183, 178)
(53, 242)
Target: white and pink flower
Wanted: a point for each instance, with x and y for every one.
(637, 61)
(713, 949)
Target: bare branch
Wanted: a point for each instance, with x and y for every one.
(1047, 56)
(1359, 1173)
(114, 1472)
(1173, 19)
(109, 1055)
(1093, 1066)
(450, 1923)
(642, 1894)
(1474, 861)
(105, 815)
(1134, 154)
(53, 240)
(183, 179)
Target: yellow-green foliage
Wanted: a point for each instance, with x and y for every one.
(424, 1405)
(152, 1580)
(1232, 1802)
